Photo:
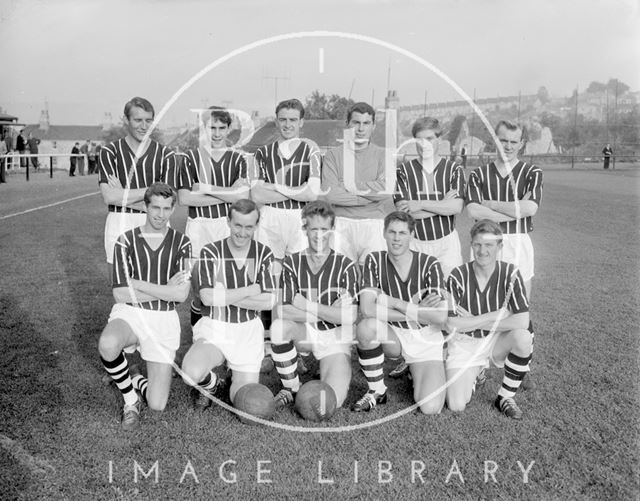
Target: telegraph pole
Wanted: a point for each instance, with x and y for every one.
(615, 127)
(275, 79)
(575, 128)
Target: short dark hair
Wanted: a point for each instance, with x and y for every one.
(219, 113)
(403, 217)
(426, 123)
(509, 125)
(486, 226)
(162, 190)
(138, 102)
(361, 107)
(291, 104)
(243, 206)
(319, 208)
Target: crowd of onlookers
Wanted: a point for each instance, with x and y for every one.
(22, 146)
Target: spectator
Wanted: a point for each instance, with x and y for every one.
(84, 149)
(21, 146)
(75, 150)
(607, 151)
(3, 161)
(92, 158)
(463, 156)
(33, 143)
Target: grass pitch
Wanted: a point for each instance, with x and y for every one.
(59, 430)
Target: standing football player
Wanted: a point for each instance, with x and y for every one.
(236, 283)
(431, 189)
(357, 197)
(288, 172)
(127, 168)
(489, 318)
(210, 180)
(508, 192)
(403, 312)
(318, 310)
(150, 275)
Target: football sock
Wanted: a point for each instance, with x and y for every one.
(209, 381)
(371, 362)
(515, 367)
(118, 369)
(196, 313)
(140, 383)
(285, 358)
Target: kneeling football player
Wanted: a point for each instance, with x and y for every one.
(236, 283)
(318, 311)
(489, 320)
(149, 278)
(403, 310)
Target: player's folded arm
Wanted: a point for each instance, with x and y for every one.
(260, 302)
(510, 321)
(446, 207)
(196, 199)
(220, 296)
(265, 193)
(176, 291)
(478, 211)
(338, 313)
(293, 314)
(116, 196)
(517, 209)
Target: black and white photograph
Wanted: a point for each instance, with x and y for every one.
(340, 249)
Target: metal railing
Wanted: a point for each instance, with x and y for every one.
(15, 160)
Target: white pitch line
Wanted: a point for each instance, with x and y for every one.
(48, 205)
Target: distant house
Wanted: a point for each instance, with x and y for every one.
(61, 138)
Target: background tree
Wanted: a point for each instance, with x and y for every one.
(320, 106)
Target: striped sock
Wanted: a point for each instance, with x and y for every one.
(515, 368)
(285, 358)
(140, 383)
(371, 362)
(196, 313)
(118, 369)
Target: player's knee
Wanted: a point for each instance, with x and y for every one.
(432, 406)
(157, 402)
(109, 345)
(523, 340)
(280, 331)
(456, 403)
(367, 330)
(191, 374)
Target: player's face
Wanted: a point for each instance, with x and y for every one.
(511, 141)
(289, 123)
(242, 227)
(318, 230)
(138, 123)
(362, 125)
(219, 132)
(427, 143)
(398, 238)
(159, 210)
(485, 247)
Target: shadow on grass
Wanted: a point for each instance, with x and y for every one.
(31, 399)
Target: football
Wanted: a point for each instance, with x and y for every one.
(255, 399)
(316, 401)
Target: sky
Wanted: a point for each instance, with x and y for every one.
(85, 58)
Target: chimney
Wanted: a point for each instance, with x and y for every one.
(107, 122)
(392, 101)
(44, 120)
